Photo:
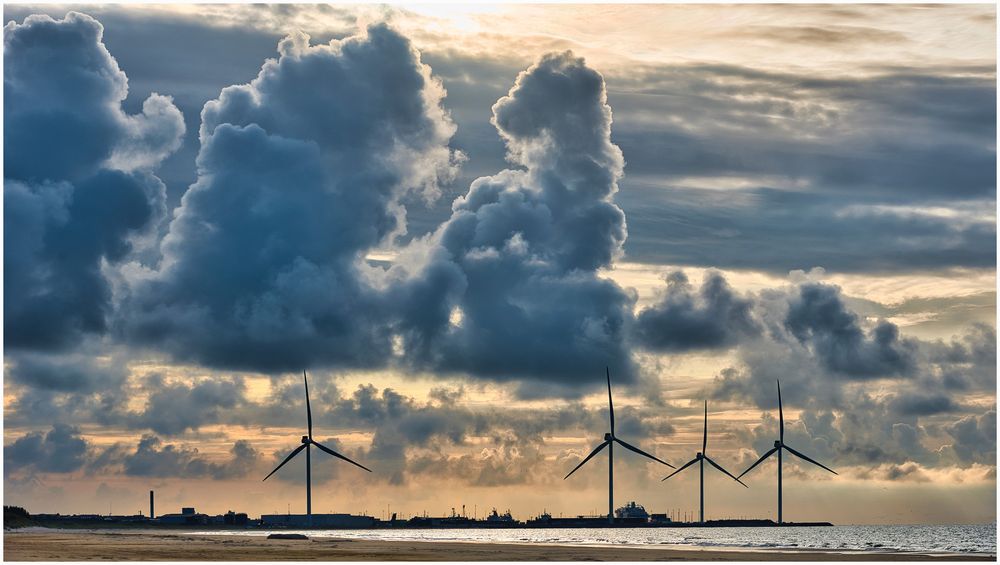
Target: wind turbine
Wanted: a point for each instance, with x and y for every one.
(779, 444)
(609, 440)
(701, 457)
(307, 442)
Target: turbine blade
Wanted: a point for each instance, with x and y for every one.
(592, 453)
(309, 414)
(643, 453)
(337, 455)
(704, 438)
(611, 405)
(781, 415)
(762, 458)
(287, 459)
(685, 466)
(719, 467)
(797, 454)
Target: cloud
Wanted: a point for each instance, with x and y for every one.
(60, 450)
(975, 438)
(300, 174)
(816, 346)
(754, 228)
(968, 362)
(760, 169)
(519, 255)
(72, 205)
(916, 404)
(681, 321)
(153, 458)
(819, 318)
(67, 373)
(824, 37)
(173, 408)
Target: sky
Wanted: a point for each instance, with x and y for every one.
(456, 217)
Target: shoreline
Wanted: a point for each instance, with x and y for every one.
(81, 545)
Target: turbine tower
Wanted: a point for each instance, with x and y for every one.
(700, 458)
(609, 440)
(307, 443)
(779, 445)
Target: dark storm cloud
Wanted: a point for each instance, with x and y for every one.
(521, 250)
(818, 317)
(682, 321)
(300, 174)
(77, 187)
(60, 450)
(60, 86)
(67, 373)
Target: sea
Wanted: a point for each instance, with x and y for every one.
(969, 539)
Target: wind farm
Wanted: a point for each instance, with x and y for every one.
(544, 520)
(441, 221)
(292, 529)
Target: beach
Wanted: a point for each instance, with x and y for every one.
(88, 545)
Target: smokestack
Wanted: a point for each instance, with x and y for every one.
(151, 513)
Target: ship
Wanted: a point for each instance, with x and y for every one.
(631, 513)
(504, 518)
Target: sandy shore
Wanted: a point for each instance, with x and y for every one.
(70, 545)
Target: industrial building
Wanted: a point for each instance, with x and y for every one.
(318, 521)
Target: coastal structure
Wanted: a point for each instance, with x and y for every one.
(333, 521)
(187, 517)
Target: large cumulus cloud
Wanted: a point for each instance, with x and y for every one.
(818, 317)
(77, 183)
(716, 317)
(60, 450)
(300, 174)
(522, 248)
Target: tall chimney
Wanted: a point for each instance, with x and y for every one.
(151, 513)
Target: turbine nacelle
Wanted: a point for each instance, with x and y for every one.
(699, 455)
(777, 443)
(608, 436)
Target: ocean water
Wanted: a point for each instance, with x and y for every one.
(980, 538)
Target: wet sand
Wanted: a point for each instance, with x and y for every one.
(76, 545)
